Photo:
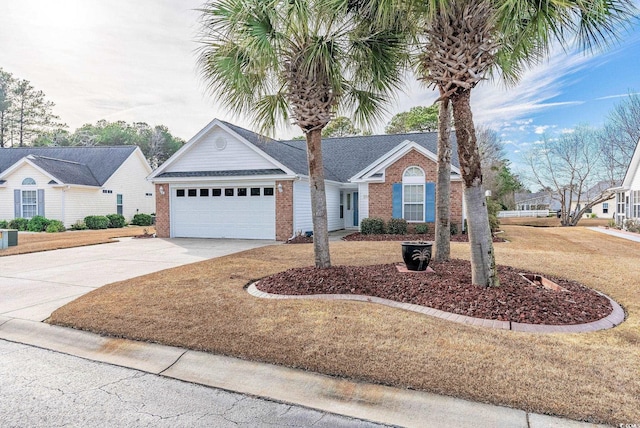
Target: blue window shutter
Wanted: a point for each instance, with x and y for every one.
(430, 202)
(16, 203)
(397, 200)
(41, 202)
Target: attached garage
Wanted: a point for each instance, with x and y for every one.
(240, 211)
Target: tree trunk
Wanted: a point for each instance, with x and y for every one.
(443, 184)
(483, 263)
(318, 199)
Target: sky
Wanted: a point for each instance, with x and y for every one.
(136, 61)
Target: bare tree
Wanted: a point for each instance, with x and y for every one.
(568, 168)
(621, 133)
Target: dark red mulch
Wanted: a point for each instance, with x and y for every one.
(357, 236)
(449, 289)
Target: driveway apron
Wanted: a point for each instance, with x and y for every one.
(34, 285)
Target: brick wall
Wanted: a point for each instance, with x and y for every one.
(380, 194)
(163, 221)
(284, 210)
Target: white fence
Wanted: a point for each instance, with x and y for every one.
(523, 213)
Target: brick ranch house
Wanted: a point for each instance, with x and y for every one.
(228, 182)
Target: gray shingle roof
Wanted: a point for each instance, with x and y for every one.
(231, 173)
(88, 166)
(342, 157)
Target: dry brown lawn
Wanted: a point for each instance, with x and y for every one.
(29, 242)
(550, 221)
(590, 376)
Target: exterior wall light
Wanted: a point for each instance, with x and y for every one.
(279, 187)
(161, 189)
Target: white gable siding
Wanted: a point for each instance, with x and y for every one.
(129, 181)
(204, 156)
(302, 207)
(52, 201)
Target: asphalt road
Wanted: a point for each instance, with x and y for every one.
(41, 388)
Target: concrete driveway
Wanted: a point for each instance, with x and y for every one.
(33, 285)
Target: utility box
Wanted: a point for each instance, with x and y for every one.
(4, 239)
(13, 237)
(9, 238)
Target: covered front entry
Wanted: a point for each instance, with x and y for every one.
(235, 211)
(351, 214)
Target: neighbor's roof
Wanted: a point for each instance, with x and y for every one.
(596, 190)
(342, 157)
(87, 166)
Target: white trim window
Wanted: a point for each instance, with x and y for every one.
(636, 204)
(29, 199)
(413, 194)
(29, 203)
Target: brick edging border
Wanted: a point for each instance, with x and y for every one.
(616, 316)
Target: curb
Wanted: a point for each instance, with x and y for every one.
(360, 400)
(615, 318)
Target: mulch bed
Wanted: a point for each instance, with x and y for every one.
(449, 289)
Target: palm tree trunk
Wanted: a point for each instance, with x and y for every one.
(483, 263)
(318, 199)
(443, 184)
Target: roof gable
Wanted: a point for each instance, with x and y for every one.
(88, 166)
(633, 168)
(219, 149)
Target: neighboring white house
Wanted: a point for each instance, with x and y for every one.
(233, 183)
(70, 183)
(628, 194)
(605, 209)
(526, 201)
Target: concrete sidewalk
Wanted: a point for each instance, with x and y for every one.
(33, 285)
(618, 233)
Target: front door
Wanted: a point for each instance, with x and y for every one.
(351, 209)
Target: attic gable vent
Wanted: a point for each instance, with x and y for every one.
(220, 143)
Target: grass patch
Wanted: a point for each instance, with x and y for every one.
(550, 221)
(592, 377)
(36, 242)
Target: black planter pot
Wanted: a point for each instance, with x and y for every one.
(416, 254)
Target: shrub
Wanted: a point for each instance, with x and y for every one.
(38, 224)
(422, 228)
(96, 222)
(453, 229)
(372, 226)
(493, 207)
(4, 224)
(141, 220)
(19, 224)
(632, 226)
(79, 225)
(55, 226)
(397, 226)
(116, 221)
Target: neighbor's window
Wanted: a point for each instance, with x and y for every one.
(118, 204)
(413, 194)
(605, 208)
(636, 203)
(29, 203)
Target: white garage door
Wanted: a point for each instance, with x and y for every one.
(223, 212)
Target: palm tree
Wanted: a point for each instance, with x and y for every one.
(464, 40)
(301, 60)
